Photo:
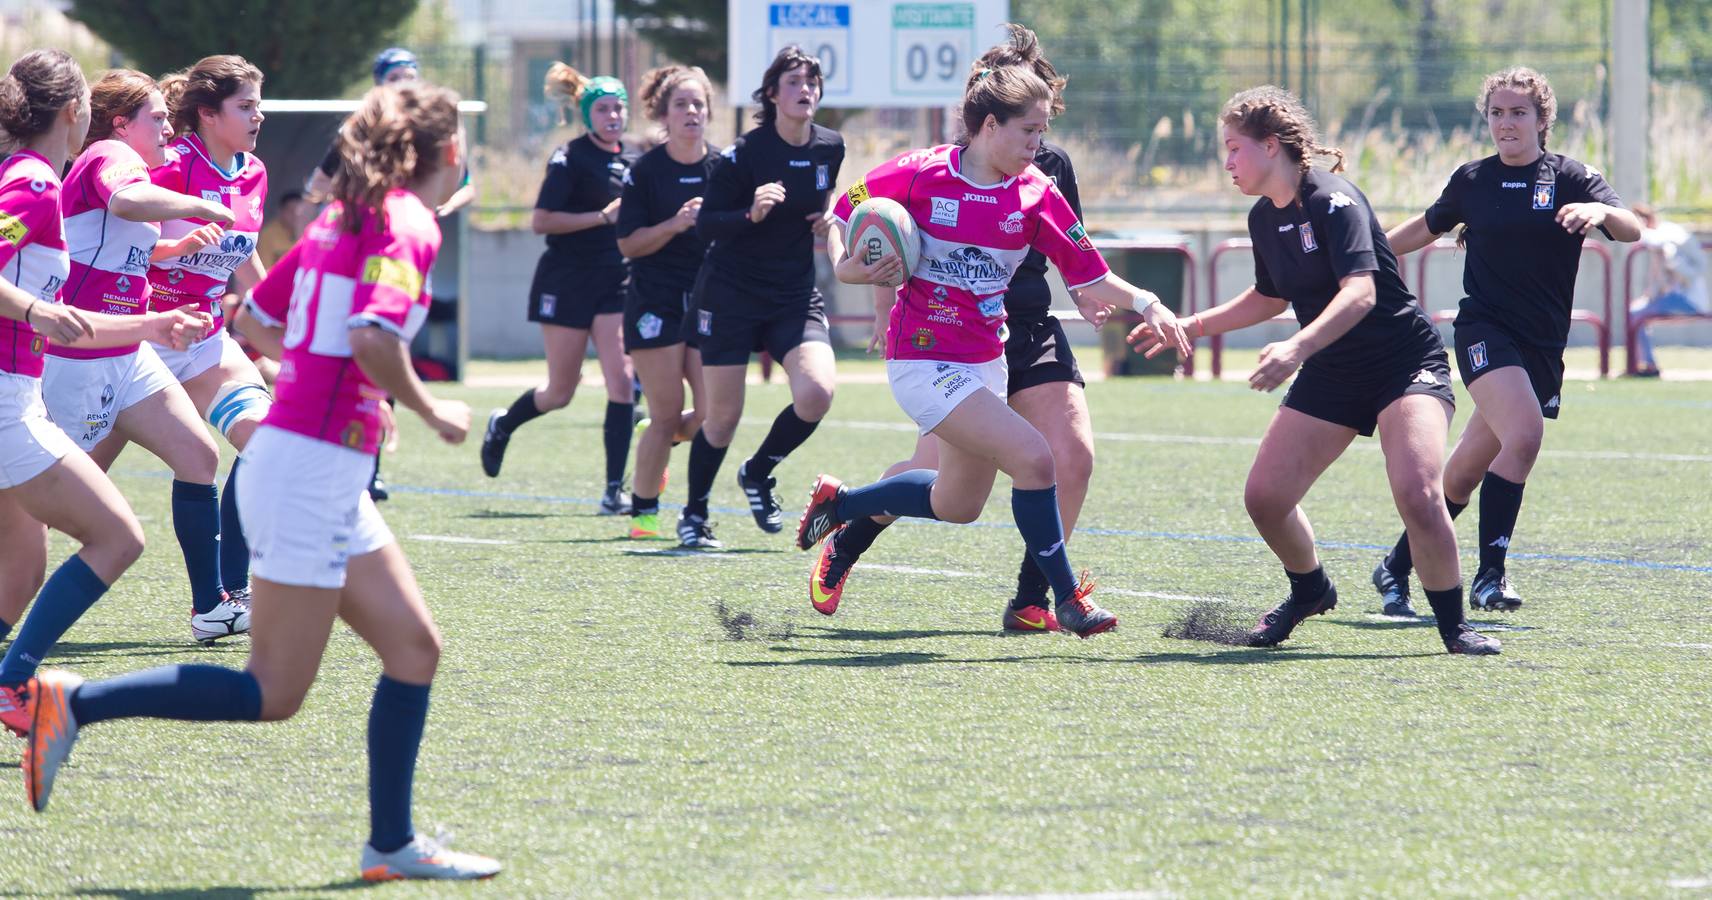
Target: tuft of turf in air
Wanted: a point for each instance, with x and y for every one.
(1218, 623)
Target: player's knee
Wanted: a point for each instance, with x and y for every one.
(1074, 462)
(1421, 505)
(957, 510)
(198, 461)
(1032, 468)
(813, 403)
(237, 407)
(414, 657)
(1524, 445)
(121, 542)
(719, 430)
(1264, 503)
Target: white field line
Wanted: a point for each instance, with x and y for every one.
(1154, 438)
(458, 539)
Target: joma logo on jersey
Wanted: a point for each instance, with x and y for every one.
(1543, 194)
(980, 198)
(1309, 245)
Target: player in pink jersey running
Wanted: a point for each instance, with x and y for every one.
(979, 205)
(216, 111)
(108, 397)
(45, 480)
(344, 304)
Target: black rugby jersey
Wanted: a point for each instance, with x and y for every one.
(1521, 264)
(581, 178)
(779, 250)
(1301, 253)
(1029, 296)
(656, 188)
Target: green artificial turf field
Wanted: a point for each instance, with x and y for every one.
(614, 718)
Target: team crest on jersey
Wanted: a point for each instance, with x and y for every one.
(822, 177)
(549, 303)
(1544, 192)
(1477, 356)
(1309, 245)
(944, 212)
(704, 322)
(1080, 235)
(923, 339)
(1012, 223)
(37, 345)
(649, 326)
(352, 436)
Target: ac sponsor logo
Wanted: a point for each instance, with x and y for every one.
(944, 212)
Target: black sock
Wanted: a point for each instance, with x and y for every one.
(705, 460)
(1447, 608)
(1500, 503)
(855, 538)
(522, 410)
(617, 431)
(1308, 585)
(1401, 562)
(643, 506)
(1031, 585)
(788, 433)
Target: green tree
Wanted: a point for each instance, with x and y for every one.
(305, 48)
(686, 31)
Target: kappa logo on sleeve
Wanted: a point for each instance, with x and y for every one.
(1080, 235)
(1339, 199)
(393, 273)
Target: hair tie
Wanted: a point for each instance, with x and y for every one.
(985, 71)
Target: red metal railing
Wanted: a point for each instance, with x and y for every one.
(1601, 325)
(1634, 323)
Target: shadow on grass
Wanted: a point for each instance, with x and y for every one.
(508, 514)
(1391, 623)
(824, 633)
(679, 552)
(219, 893)
(69, 651)
(1263, 655)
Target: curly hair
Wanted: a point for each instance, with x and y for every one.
(1271, 111)
(393, 138)
(658, 85)
(1528, 83)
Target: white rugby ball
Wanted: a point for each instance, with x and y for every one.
(881, 227)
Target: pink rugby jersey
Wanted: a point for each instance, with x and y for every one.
(109, 255)
(333, 280)
(201, 277)
(32, 252)
(973, 237)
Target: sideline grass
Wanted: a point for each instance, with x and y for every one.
(611, 719)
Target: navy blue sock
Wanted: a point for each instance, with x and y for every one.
(196, 521)
(234, 550)
(904, 494)
(66, 596)
(185, 693)
(855, 538)
(705, 460)
(395, 732)
(1036, 514)
(616, 433)
(1500, 503)
(789, 432)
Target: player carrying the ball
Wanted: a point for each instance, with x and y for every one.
(979, 205)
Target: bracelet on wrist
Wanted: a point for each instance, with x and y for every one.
(30, 309)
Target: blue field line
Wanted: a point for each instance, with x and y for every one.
(1098, 532)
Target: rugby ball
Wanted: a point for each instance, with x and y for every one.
(881, 227)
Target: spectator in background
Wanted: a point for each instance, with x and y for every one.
(1676, 280)
(282, 230)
